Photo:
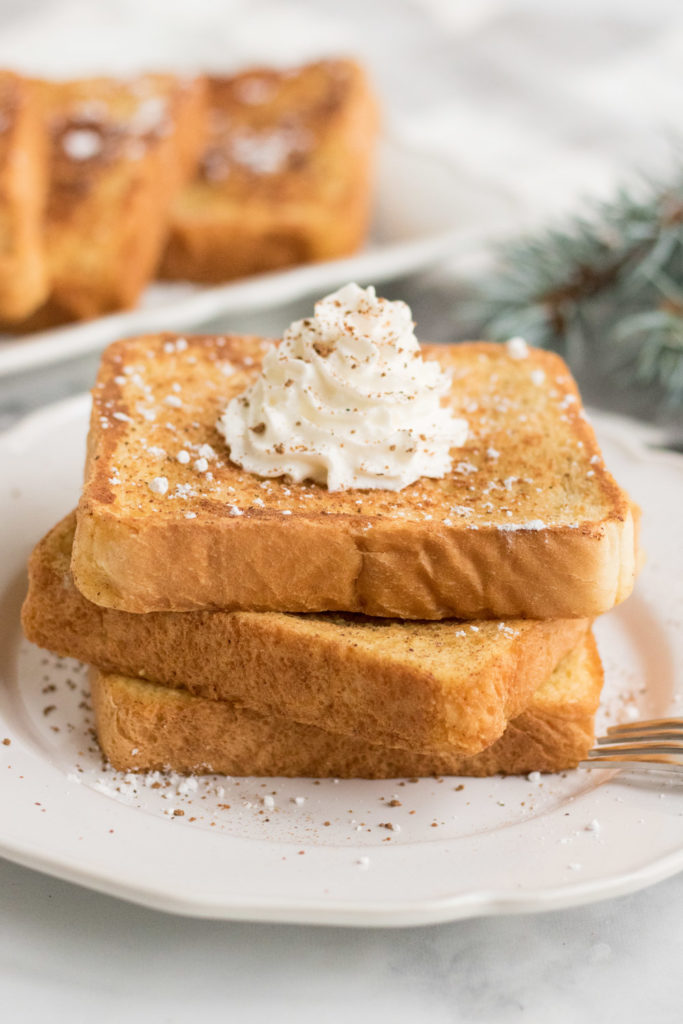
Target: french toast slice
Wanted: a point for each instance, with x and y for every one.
(144, 727)
(420, 685)
(285, 177)
(119, 152)
(23, 189)
(529, 522)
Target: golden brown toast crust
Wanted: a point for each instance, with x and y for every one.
(143, 727)
(23, 188)
(425, 686)
(120, 150)
(528, 524)
(285, 175)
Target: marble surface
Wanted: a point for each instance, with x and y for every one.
(553, 100)
(68, 955)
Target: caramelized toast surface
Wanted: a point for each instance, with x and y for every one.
(529, 523)
(143, 727)
(119, 151)
(418, 685)
(285, 176)
(23, 189)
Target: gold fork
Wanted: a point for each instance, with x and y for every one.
(654, 745)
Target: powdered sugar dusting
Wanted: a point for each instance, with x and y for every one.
(517, 348)
(82, 143)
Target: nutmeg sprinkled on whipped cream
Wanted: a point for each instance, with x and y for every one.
(346, 400)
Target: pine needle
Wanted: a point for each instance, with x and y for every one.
(610, 282)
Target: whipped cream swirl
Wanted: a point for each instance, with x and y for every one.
(346, 400)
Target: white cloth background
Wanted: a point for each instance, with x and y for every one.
(549, 99)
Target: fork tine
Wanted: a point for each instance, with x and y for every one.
(655, 745)
(643, 763)
(648, 747)
(650, 725)
(642, 740)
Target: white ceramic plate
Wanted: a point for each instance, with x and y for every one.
(464, 847)
(425, 210)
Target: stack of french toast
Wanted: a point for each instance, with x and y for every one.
(107, 183)
(260, 623)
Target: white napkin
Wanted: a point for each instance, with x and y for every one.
(551, 101)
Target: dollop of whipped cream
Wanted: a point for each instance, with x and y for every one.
(346, 400)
